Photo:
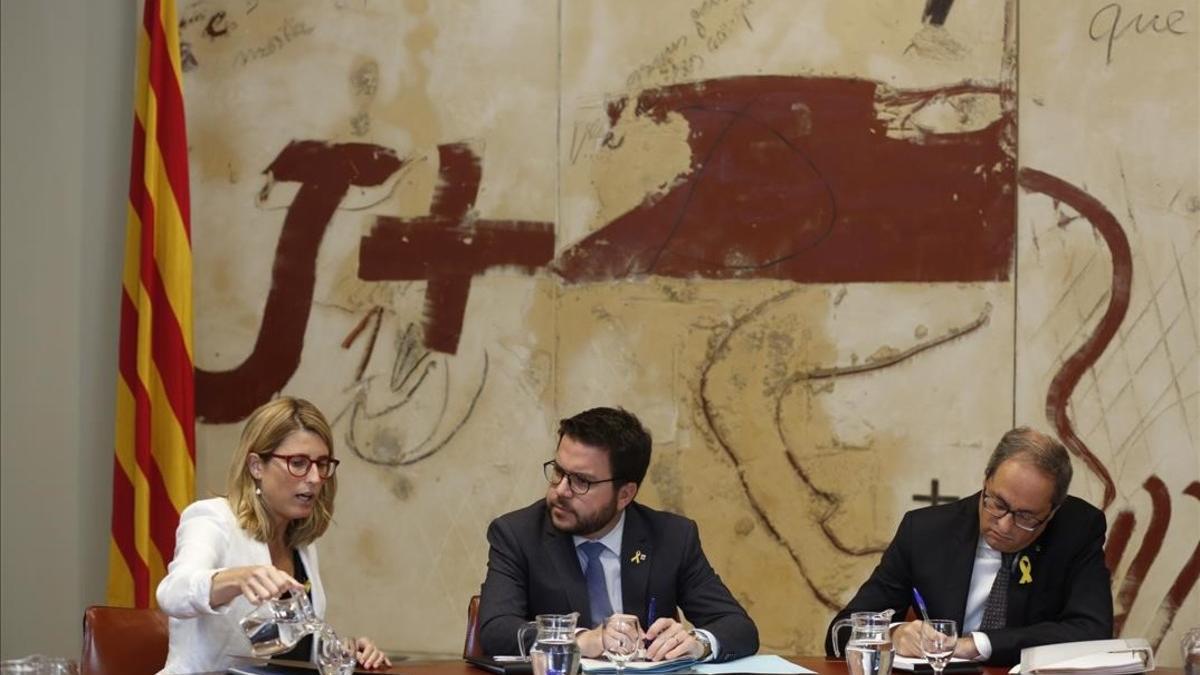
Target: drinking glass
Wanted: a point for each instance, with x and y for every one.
(938, 637)
(29, 665)
(37, 664)
(622, 637)
(1190, 646)
(59, 666)
(335, 655)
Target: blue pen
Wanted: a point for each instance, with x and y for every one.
(921, 604)
(651, 615)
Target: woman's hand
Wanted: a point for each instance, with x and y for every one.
(369, 655)
(257, 583)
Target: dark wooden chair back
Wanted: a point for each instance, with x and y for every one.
(123, 641)
(471, 646)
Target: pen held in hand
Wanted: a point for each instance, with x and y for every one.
(651, 617)
(921, 604)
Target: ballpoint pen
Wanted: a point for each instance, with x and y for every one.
(921, 604)
(651, 612)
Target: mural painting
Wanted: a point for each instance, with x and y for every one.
(828, 251)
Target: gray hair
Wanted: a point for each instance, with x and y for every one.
(1043, 451)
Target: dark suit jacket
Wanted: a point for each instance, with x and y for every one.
(533, 569)
(1069, 598)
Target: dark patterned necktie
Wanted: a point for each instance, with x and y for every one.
(995, 610)
(597, 588)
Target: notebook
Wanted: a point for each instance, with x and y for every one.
(504, 665)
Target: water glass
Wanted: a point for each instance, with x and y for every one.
(59, 666)
(1190, 646)
(938, 637)
(37, 664)
(30, 665)
(335, 655)
(622, 638)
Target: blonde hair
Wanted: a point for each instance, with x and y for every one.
(265, 430)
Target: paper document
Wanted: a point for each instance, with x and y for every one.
(1092, 657)
(604, 666)
(767, 664)
(914, 663)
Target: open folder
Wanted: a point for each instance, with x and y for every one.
(1093, 657)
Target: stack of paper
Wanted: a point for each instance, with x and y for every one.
(762, 664)
(601, 666)
(1094, 657)
(921, 665)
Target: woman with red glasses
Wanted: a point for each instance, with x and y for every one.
(257, 543)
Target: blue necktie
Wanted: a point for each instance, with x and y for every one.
(596, 587)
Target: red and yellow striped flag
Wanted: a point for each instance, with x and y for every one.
(155, 466)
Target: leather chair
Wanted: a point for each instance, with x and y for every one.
(123, 641)
(471, 646)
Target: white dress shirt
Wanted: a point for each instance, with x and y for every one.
(209, 540)
(610, 560)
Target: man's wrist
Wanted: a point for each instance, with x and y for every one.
(706, 649)
(590, 643)
(965, 648)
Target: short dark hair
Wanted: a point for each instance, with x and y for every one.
(617, 431)
(1041, 450)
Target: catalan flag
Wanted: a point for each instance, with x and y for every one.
(154, 469)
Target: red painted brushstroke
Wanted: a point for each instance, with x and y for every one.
(1073, 369)
(1118, 541)
(1183, 585)
(459, 174)
(449, 247)
(795, 178)
(1156, 532)
(326, 172)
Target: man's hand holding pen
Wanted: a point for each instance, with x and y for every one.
(669, 639)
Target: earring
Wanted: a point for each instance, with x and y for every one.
(258, 491)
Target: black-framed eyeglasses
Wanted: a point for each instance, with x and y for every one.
(998, 508)
(298, 465)
(578, 484)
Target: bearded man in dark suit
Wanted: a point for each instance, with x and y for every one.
(589, 548)
(1018, 564)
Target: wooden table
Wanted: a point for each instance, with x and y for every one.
(819, 664)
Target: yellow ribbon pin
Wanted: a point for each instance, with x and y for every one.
(637, 557)
(1026, 567)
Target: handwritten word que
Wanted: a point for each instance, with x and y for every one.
(1110, 24)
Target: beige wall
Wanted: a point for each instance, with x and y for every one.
(67, 82)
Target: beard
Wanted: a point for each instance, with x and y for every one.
(568, 520)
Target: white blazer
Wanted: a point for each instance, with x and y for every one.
(208, 541)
